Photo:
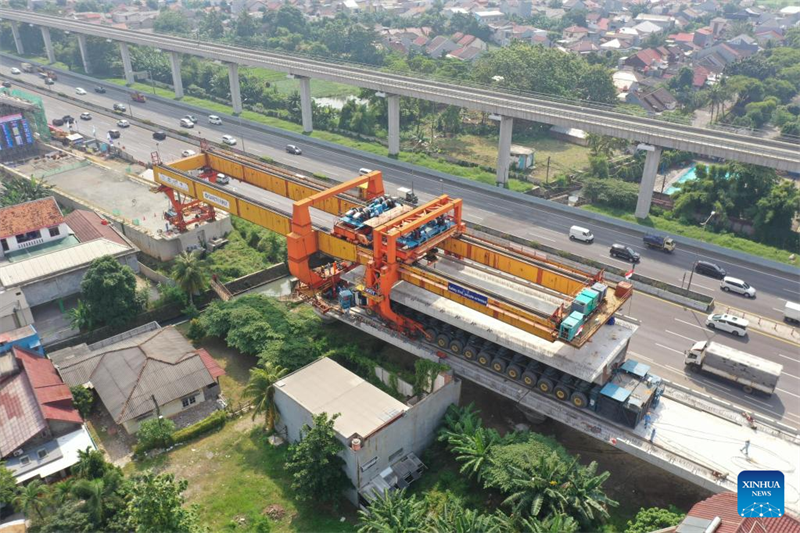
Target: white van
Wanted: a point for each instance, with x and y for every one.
(728, 323)
(577, 233)
(363, 171)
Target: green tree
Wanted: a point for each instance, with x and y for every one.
(30, 498)
(394, 512)
(8, 485)
(245, 26)
(83, 399)
(261, 389)
(774, 215)
(93, 494)
(653, 519)
(155, 433)
(156, 505)
(80, 317)
(109, 292)
(67, 517)
(18, 190)
(472, 449)
(314, 462)
(91, 464)
(211, 26)
(188, 273)
(455, 518)
(169, 21)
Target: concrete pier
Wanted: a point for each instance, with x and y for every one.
(236, 93)
(48, 45)
(126, 63)
(504, 150)
(177, 82)
(648, 181)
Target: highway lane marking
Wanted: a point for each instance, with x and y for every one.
(790, 375)
(751, 399)
(697, 285)
(778, 310)
(690, 324)
(670, 349)
(790, 290)
(786, 357)
(789, 393)
(679, 335)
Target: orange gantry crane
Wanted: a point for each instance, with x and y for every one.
(390, 240)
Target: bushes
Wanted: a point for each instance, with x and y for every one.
(155, 433)
(212, 422)
(611, 192)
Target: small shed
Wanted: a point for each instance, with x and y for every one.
(524, 157)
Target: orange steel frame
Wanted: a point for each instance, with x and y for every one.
(206, 211)
(301, 242)
(383, 270)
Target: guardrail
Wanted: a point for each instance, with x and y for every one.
(580, 215)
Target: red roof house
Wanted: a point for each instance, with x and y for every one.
(724, 506)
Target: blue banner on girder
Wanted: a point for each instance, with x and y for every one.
(468, 294)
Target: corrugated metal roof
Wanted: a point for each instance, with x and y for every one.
(88, 226)
(20, 417)
(42, 266)
(327, 387)
(129, 373)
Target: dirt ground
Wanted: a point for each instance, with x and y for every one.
(633, 482)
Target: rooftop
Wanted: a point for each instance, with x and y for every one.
(129, 373)
(33, 394)
(326, 387)
(45, 265)
(29, 216)
(725, 506)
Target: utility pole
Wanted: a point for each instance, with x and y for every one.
(697, 254)
(547, 176)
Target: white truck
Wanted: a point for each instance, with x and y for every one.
(791, 313)
(751, 372)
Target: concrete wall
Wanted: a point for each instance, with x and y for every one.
(412, 432)
(67, 284)
(167, 410)
(14, 310)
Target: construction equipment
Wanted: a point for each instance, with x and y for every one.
(659, 242)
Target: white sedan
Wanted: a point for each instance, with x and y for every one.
(230, 140)
(80, 91)
(187, 153)
(15, 71)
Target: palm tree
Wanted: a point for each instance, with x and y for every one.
(554, 523)
(457, 519)
(584, 495)
(60, 492)
(393, 512)
(31, 498)
(188, 274)
(80, 317)
(531, 489)
(473, 450)
(260, 387)
(91, 464)
(93, 494)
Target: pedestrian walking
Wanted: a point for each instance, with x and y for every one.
(652, 435)
(746, 448)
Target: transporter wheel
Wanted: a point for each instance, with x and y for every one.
(694, 369)
(747, 389)
(484, 359)
(470, 353)
(456, 346)
(545, 385)
(579, 400)
(499, 365)
(529, 379)
(430, 334)
(513, 371)
(442, 340)
(561, 392)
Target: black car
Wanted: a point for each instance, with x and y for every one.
(159, 135)
(294, 150)
(100, 89)
(621, 251)
(6, 84)
(114, 134)
(710, 269)
(58, 122)
(68, 119)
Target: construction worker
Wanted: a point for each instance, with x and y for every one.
(746, 448)
(652, 435)
(647, 419)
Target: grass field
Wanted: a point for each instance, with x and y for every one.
(319, 88)
(676, 228)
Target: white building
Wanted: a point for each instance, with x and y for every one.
(382, 436)
(30, 224)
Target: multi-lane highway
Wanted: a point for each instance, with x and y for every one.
(666, 330)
